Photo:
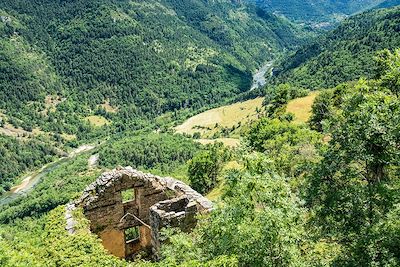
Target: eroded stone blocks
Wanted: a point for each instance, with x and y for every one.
(157, 203)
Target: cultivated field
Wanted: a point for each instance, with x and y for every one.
(234, 118)
(210, 121)
(97, 121)
(301, 107)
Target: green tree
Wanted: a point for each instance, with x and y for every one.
(380, 246)
(389, 69)
(290, 148)
(277, 106)
(260, 222)
(321, 110)
(357, 184)
(205, 167)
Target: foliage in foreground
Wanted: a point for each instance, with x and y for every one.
(205, 167)
(49, 244)
(346, 212)
(356, 186)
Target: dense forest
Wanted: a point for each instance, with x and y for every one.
(322, 192)
(159, 153)
(143, 58)
(345, 54)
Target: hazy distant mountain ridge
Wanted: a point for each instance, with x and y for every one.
(388, 3)
(316, 10)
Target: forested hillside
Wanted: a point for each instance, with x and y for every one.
(74, 71)
(141, 57)
(345, 54)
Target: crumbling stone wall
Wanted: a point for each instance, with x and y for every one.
(158, 202)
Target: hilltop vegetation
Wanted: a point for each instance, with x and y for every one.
(388, 3)
(345, 54)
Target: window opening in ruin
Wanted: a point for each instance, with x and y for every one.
(132, 234)
(128, 195)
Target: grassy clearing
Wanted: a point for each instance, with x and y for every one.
(51, 101)
(107, 107)
(20, 133)
(97, 121)
(236, 117)
(301, 107)
(211, 121)
(68, 137)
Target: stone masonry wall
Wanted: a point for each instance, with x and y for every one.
(158, 202)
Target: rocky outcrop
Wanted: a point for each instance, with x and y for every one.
(153, 203)
(5, 19)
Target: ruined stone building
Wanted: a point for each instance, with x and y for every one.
(127, 209)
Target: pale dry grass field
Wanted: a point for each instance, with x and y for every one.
(301, 107)
(97, 121)
(107, 107)
(243, 113)
(226, 116)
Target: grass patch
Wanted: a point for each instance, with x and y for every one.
(216, 193)
(108, 107)
(301, 107)
(211, 121)
(68, 137)
(97, 121)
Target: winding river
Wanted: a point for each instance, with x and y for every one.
(31, 180)
(259, 79)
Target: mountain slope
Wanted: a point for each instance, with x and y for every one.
(344, 54)
(388, 3)
(145, 57)
(316, 10)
